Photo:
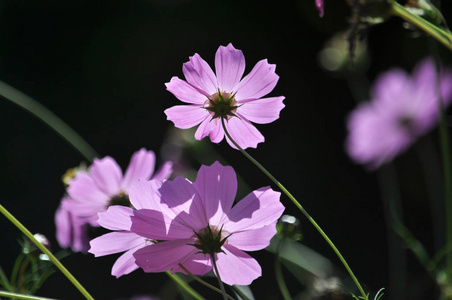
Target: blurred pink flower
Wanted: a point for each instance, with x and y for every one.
(225, 95)
(319, 5)
(93, 192)
(403, 108)
(197, 218)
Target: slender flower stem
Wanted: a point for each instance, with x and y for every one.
(49, 118)
(223, 292)
(185, 286)
(298, 205)
(41, 247)
(203, 282)
(21, 296)
(280, 280)
(439, 34)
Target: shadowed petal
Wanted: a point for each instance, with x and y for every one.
(259, 82)
(116, 218)
(229, 66)
(141, 166)
(164, 172)
(186, 116)
(106, 175)
(198, 264)
(185, 92)
(262, 111)
(237, 267)
(244, 133)
(252, 240)
(115, 242)
(199, 74)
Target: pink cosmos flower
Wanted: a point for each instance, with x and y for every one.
(403, 108)
(197, 219)
(319, 5)
(93, 192)
(226, 95)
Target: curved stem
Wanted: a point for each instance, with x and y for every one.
(298, 205)
(439, 34)
(185, 286)
(49, 118)
(21, 296)
(41, 247)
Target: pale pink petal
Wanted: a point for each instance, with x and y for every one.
(144, 194)
(199, 74)
(70, 231)
(212, 128)
(186, 116)
(164, 172)
(185, 92)
(116, 217)
(125, 264)
(198, 264)
(115, 242)
(163, 256)
(237, 267)
(229, 66)
(85, 210)
(252, 240)
(262, 111)
(83, 189)
(260, 208)
(259, 82)
(106, 175)
(141, 166)
(217, 185)
(63, 227)
(244, 133)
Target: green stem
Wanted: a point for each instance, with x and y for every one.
(203, 282)
(439, 34)
(41, 247)
(21, 296)
(185, 286)
(298, 205)
(49, 118)
(223, 292)
(280, 280)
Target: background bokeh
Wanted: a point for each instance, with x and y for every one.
(101, 67)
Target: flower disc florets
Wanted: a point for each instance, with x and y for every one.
(210, 240)
(221, 104)
(120, 199)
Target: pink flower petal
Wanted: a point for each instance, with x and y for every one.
(186, 116)
(262, 111)
(260, 208)
(141, 166)
(211, 128)
(125, 264)
(116, 218)
(163, 256)
(115, 242)
(217, 185)
(199, 74)
(229, 66)
(185, 92)
(106, 175)
(164, 172)
(83, 189)
(252, 240)
(259, 82)
(237, 267)
(319, 5)
(198, 264)
(144, 194)
(70, 230)
(244, 133)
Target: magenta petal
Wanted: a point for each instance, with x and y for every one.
(262, 111)
(198, 264)
(229, 66)
(185, 92)
(163, 256)
(259, 82)
(115, 242)
(217, 185)
(83, 189)
(199, 74)
(125, 264)
(106, 175)
(70, 230)
(116, 218)
(211, 128)
(144, 194)
(260, 208)
(164, 172)
(186, 116)
(141, 166)
(237, 267)
(319, 5)
(252, 240)
(63, 227)
(244, 133)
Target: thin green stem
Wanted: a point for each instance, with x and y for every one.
(280, 280)
(439, 34)
(185, 286)
(203, 282)
(49, 118)
(223, 292)
(21, 296)
(298, 205)
(41, 247)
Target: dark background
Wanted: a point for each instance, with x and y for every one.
(101, 67)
